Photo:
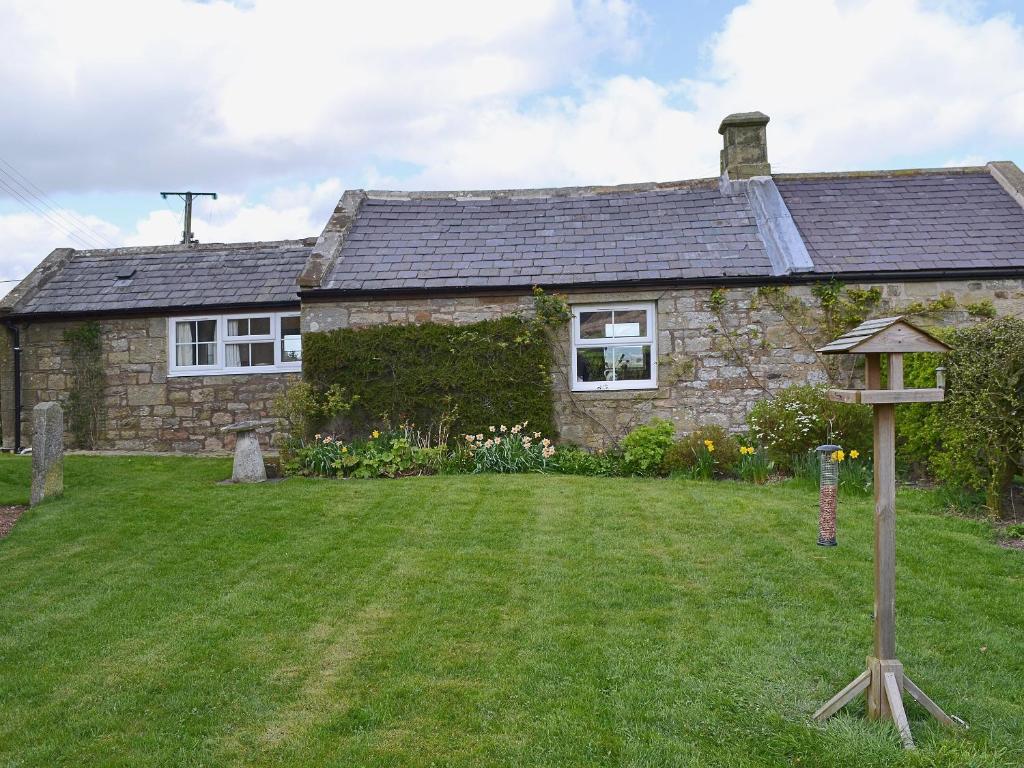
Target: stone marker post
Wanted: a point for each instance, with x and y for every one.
(248, 466)
(47, 451)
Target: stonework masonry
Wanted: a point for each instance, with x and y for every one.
(708, 374)
(144, 409)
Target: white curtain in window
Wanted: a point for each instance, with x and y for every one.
(233, 355)
(235, 328)
(184, 336)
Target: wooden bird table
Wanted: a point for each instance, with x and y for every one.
(884, 680)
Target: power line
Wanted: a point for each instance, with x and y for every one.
(41, 212)
(65, 214)
(31, 196)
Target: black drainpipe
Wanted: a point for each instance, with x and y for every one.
(16, 335)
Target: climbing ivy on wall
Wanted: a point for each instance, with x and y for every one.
(88, 384)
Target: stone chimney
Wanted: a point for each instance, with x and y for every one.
(745, 150)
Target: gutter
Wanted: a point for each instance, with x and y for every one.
(16, 348)
(181, 309)
(742, 281)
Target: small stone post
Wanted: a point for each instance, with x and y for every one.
(248, 466)
(47, 451)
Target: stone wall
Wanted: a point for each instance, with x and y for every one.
(144, 409)
(707, 373)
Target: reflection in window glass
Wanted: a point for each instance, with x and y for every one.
(630, 322)
(249, 326)
(594, 325)
(291, 340)
(619, 363)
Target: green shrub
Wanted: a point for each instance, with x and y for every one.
(705, 453)
(798, 419)
(982, 420)
(485, 372)
(573, 460)
(301, 410)
(643, 449)
(1014, 531)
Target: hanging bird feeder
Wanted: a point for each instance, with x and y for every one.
(828, 494)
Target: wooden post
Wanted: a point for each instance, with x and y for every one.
(885, 535)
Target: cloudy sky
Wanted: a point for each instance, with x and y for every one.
(280, 105)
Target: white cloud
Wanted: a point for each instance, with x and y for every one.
(128, 95)
(469, 94)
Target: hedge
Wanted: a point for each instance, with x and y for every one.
(489, 372)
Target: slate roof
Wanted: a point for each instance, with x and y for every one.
(171, 277)
(906, 222)
(683, 233)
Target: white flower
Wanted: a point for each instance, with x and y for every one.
(479, 437)
(491, 428)
(504, 428)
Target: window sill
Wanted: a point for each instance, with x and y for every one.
(614, 387)
(257, 371)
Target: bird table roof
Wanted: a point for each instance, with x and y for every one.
(884, 334)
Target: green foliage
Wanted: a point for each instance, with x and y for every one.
(301, 410)
(704, 453)
(716, 301)
(380, 455)
(754, 466)
(944, 303)
(984, 309)
(509, 450)
(573, 460)
(644, 448)
(982, 419)
(842, 307)
(88, 383)
(551, 310)
(494, 370)
(800, 418)
(1014, 531)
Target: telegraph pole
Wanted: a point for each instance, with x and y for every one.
(187, 236)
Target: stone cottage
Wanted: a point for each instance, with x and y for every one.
(691, 300)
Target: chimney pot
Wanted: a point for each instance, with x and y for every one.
(745, 145)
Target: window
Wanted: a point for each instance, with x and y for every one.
(252, 343)
(613, 347)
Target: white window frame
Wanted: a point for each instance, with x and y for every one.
(220, 369)
(650, 338)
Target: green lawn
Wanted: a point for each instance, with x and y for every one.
(153, 618)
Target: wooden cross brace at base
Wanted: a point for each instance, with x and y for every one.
(884, 680)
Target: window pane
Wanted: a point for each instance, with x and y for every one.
(632, 363)
(259, 326)
(630, 322)
(594, 325)
(262, 354)
(238, 327)
(185, 354)
(206, 354)
(291, 340)
(594, 364)
(206, 330)
(184, 331)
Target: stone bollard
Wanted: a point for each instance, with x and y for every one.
(47, 451)
(248, 466)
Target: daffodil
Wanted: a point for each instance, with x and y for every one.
(375, 434)
(854, 454)
(838, 455)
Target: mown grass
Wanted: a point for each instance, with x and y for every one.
(151, 617)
